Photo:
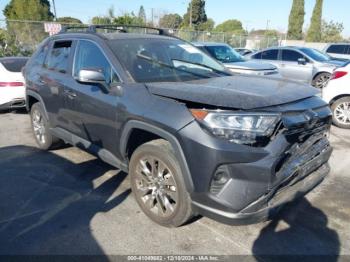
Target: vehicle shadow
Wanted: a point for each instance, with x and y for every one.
(298, 232)
(48, 202)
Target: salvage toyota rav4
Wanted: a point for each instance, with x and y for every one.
(195, 139)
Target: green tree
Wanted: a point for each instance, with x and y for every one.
(195, 13)
(142, 15)
(207, 26)
(314, 32)
(34, 10)
(128, 19)
(101, 20)
(170, 21)
(296, 20)
(26, 36)
(332, 31)
(231, 26)
(69, 20)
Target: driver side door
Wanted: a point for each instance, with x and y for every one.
(291, 68)
(94, 109)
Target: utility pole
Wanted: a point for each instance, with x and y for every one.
(152, 15)
(191, 14)
(267, 24)
(54, 9)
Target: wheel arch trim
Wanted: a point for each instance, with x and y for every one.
(35, 95)
(135, 124)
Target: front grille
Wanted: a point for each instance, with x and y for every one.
(309, 147)
(303, 158)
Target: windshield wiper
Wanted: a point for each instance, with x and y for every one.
(204, 66)
(149, 59)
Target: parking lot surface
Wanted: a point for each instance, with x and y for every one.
(68, 202)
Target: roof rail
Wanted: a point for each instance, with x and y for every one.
(75, 28)
(117, 27)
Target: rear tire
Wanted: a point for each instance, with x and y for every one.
(158, 185)
(341, 112)
(321, 80)
(41, 128)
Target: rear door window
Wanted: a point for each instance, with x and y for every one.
(14, 65)
(267, 55)
(58, 58)
(337, 49)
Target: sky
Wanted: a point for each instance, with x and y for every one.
(254, 14)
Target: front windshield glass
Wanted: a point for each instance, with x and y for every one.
(164, 60)
(224, 54)
(316, 55)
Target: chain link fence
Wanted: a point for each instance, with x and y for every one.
(23, 37)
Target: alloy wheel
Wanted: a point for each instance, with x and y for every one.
(322, 81)
(342, 113)
(39, 127)
(156, 186)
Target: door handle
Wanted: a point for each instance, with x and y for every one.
(70, 93)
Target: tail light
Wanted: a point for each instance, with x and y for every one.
(338, 74)
(11, 84)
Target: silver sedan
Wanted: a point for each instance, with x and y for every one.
(300, 63)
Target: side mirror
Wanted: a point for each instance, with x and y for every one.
(302, 61)
(93, 76)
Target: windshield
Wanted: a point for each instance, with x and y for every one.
(316, 55)
(224, 54)
(164, 60)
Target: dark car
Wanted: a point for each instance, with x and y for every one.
(194, 138)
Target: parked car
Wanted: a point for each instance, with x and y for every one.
(337, 94)
(234, 61)
(339, 50)
(194, 138)
(304, 64)
(245, 51)
(12, 91)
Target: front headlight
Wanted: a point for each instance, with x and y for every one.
(241, 128)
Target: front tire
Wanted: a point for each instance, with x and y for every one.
(341, 112)
(158, 185)
(41, 128)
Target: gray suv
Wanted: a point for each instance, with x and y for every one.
(304, 64)
(195, 139)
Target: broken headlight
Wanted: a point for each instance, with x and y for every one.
(240, 128)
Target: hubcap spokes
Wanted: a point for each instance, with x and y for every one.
(322, 81)
(38, 126)
(156, 186)
(342, 113)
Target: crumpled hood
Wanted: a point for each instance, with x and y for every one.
(239, 92)
(250, 65)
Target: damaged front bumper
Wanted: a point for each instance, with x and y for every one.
(268, 205)
(260, 180)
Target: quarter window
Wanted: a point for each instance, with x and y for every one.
(58, 58)
(41, 55)
(89, 56)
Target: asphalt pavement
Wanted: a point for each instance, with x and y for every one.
(67, 202)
